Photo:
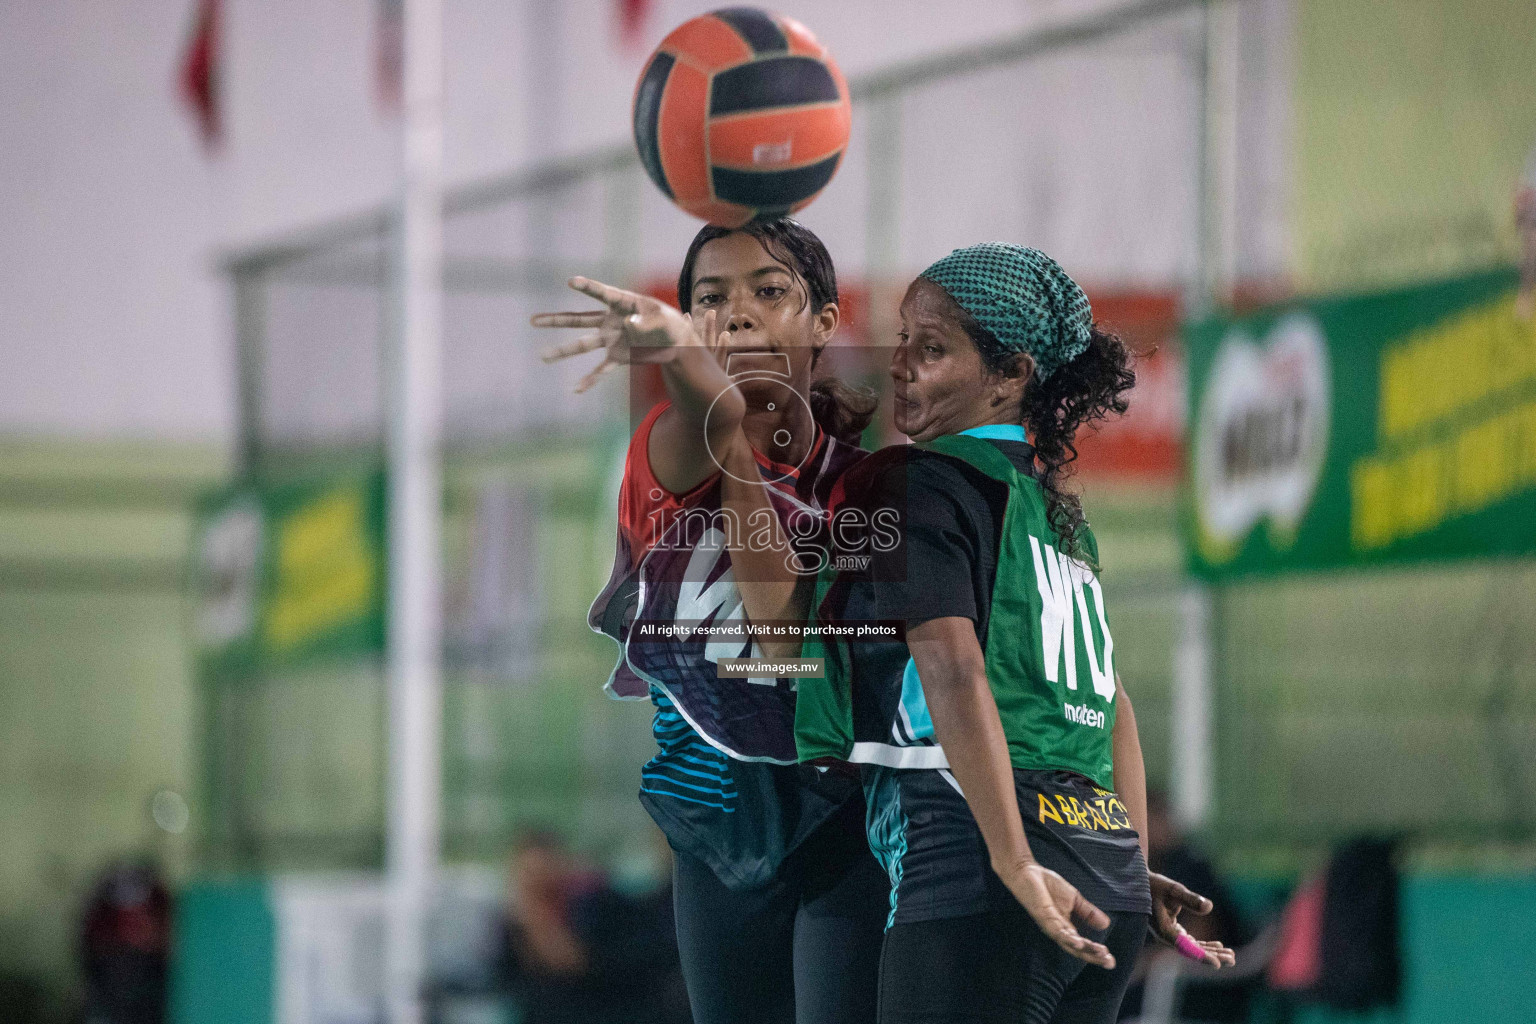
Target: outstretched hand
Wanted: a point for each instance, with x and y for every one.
(1053, 902)
(633, 328)
(1168, 899)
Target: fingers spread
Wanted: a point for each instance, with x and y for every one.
(572, 348)
(1218, 955)
(1209, 952)
(614, 298)
(591, 318)
(593, 377)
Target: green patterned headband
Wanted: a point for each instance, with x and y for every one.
(1023, 297)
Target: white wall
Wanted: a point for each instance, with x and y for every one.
(110, 314)
(112, 318)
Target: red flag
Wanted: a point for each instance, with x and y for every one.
(632, 20)
(199, 78)
(389, 55)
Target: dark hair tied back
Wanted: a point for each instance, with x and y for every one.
(1089, 387)
(838, 409)
(841, 410)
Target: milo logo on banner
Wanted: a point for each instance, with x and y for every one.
(1381, 427)
(1261, 436)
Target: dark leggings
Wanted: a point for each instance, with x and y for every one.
(999, 968)
(803, 949)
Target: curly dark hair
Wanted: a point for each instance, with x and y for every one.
(837, 408)
(1090, 387)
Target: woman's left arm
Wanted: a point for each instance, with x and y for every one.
(1168, 897)
(1130, 771)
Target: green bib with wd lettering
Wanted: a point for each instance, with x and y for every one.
(1049, 654)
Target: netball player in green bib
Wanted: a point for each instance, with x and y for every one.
(1001, 766)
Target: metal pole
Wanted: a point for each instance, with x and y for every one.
(1193, 710)
(250, 346)
(415, 516)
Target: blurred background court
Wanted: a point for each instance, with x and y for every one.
(196, 232)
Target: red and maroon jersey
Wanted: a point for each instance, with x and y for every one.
(673, 565)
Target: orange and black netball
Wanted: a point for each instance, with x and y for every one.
(740, 114)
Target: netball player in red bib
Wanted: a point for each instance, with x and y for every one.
(780, 904)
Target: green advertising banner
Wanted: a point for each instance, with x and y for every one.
(1380, 428)
(290, 573)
